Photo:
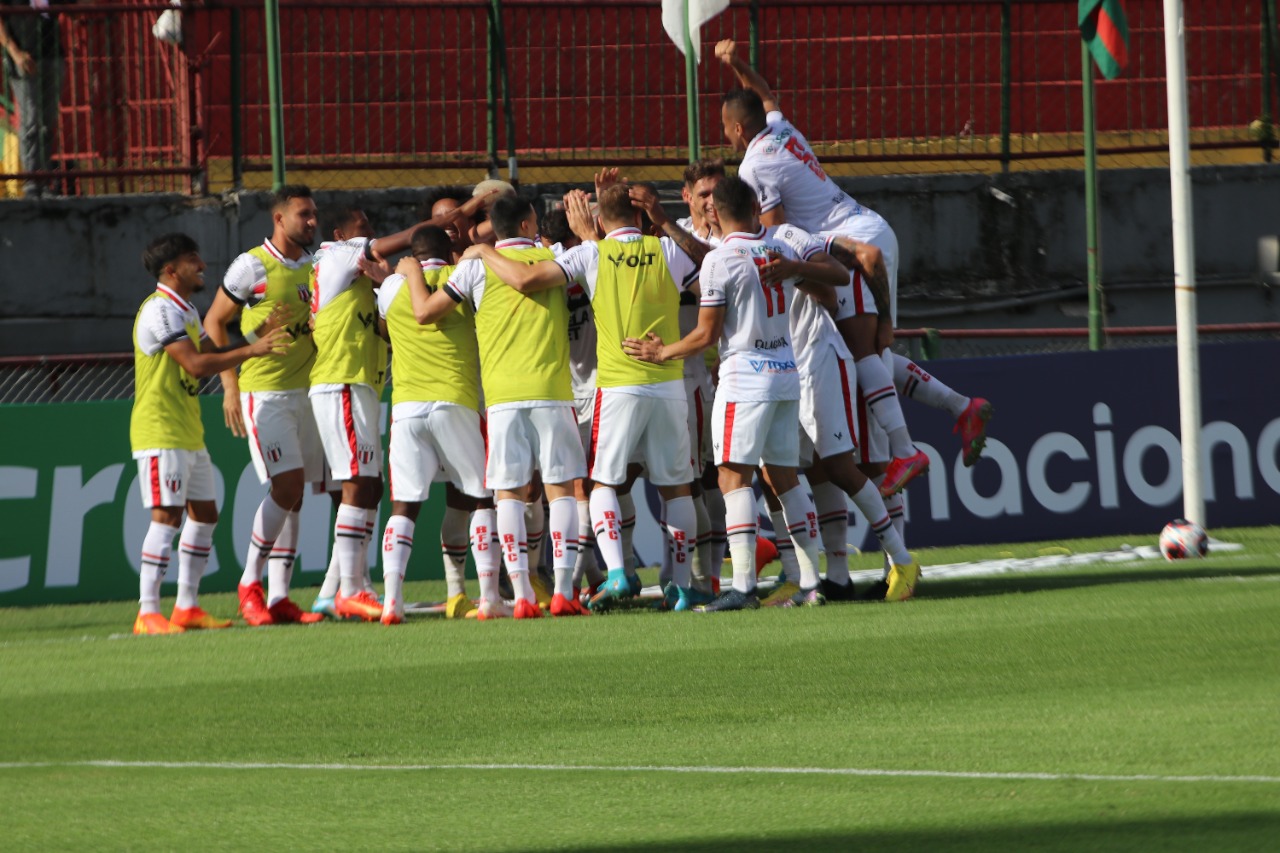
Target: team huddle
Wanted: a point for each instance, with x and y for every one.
(541, 367)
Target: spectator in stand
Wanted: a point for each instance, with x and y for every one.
(32, 49)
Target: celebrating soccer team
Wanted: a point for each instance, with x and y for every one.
(554, 360)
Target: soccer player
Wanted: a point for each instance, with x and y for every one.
(779, 165)
(757, 402)
(166, 433)
(267, 400)
(524, 367)
(435, 424)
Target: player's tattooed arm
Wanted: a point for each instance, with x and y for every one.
(727, 52)
(644, 197)
(651, 348)
(869, 260)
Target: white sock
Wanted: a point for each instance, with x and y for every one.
(156, 547)
(605, 518)
(872, 507)
(682, 522)
(483, 523)
(833, 519)
(348, 543)
(515, 546)
(802, 524)
(740, 524)
(882, 400)
(535, 525)
(627, 522)
(715, 510)
(280, 563)
(563, 524)
(267, 524)
(701, 567)
(912, 381)
(586, 560)
(896, 505)
(194, 547)
(786, 548)
(332, 577)
(366, 575)
(397, 547)
(454, 537)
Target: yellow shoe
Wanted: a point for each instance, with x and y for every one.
(902, 582)
(459, 607)
(541, 593)
(781, 594)
(154, 623)
(195, 619)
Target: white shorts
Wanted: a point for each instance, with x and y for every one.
(545, 437)
(877, 232)
(172, 477)
(585, 407)
(828, 394)
(699, 422)
(654, 427)
(756, 432)
(447, 439)
(873, 441)
(282, 433)
(348, 424)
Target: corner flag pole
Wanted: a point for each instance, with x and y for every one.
(691, 84)
(1184, 263)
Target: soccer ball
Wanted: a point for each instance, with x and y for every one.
(1182, 539)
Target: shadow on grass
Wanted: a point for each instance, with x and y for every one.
(1246, 831)
(1048, 582)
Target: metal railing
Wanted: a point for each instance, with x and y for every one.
(394, 93)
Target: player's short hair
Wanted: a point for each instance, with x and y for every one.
(748, 105)
(288, 193)
(707, 167)
(555, 227)
(166, 249)
(614, 202)
(431, 242)
(735, 198)
(338, 217)
(458, 194)
(506, 215)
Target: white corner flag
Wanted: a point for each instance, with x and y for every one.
(683, 18)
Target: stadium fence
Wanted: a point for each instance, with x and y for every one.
(397, 93)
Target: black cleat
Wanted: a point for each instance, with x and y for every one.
(732, 599)
(877, 591)
(836, 592)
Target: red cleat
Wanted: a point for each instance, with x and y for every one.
(561, 606)
(903, 471)
(526, 610)
(972, 426)
(285, 612)
(253, 605)
(766, 552)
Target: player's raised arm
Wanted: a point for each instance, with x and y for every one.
(399, 241)
(726, 52)
(645, 198)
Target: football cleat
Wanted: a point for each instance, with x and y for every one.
(325, 607)
(541, 590)
(459, 606)
(155, 623)
(526, 609)
(561, 606)
(362, 605)
(902, 582)
(903, 471)
(805, 598)
(492, 610)
(876, 591)
(617, 587)
(780, 595)
(196, 619)
(637, 585)
(972, 426)
(833, 591)
(766, 553)
(732, 599)
(253, 605)
(285, 612)
(391, 617)
(691, 599)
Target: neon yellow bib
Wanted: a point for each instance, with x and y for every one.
(348, 349)
(166, 413)
(436, 362)
(634, 295)
(524, 339)
(291, 287)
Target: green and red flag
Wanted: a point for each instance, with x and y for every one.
(1105, 30)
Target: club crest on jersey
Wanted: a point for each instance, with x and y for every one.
(272, 452)
(173, 483)
(365, 454)
(304, 293)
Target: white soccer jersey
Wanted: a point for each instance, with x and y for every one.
(756, 360)
(582, 342)
(337, 265)
(246, 278)
(812, 326)
(705, 236)
(165, 321)
(782, 169)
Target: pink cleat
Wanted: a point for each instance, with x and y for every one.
(903, 471)
(972, 426)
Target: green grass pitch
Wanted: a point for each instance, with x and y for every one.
(1132, 706)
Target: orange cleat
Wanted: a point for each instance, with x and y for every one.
(285, 612)
(903, 471)
(561, 606)
(491, 610)
(362, 606)
(527, 609)
(972, 426)
(391, 617)
(766, 552)
(195, 619)
(154, 623)
(253, 605)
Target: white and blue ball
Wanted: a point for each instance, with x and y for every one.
(1182, 539)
